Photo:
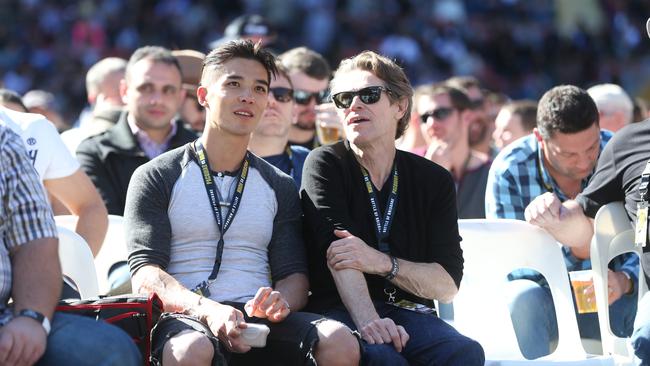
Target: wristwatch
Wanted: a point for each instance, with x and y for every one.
(42, 319)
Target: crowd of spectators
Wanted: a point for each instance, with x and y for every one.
(520, 48)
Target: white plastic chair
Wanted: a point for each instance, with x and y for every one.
(613, 236)
(492, 249)
(113, 249)
(77, 262)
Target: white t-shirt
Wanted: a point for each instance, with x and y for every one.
(47, 151)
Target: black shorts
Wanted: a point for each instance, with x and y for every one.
(290, 342)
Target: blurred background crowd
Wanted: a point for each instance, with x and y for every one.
(520, 48)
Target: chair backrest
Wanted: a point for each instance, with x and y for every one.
(492, 249)
(613, 236)
(77, 262)
(113, 248)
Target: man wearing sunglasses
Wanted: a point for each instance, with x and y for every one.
(481, 127)
(381, 226)
(445, 119)
(553, 165)
(270, 140)
(309, 73)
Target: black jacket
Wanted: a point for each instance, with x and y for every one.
(110, 159)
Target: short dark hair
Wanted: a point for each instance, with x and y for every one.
(565, 109)
(526, 110)
(237, 49)
(463, 82)
(155, 54)
(302, 59)
(458, 97)
(10, 96)
(282, 71)
(390, 73)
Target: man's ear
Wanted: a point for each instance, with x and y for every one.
(201, 94)
(123, 88)
(538, 135)
(402, 106)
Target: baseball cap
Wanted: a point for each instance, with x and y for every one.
(249, 26)
(191, 62)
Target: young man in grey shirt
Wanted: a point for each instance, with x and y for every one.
(215, 231)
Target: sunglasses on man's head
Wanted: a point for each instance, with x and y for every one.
(369, 95)
(281, 94)
(437, 114)
(304, 97)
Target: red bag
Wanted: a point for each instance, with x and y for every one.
(134, 314)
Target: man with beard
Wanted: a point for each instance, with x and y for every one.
(309, 73)
(271, 136)
(554, 164)
(445, 114)
(480, 128)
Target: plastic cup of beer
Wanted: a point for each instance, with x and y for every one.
(327, 135)
(581, 281)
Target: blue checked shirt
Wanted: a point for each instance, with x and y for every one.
(25, 213)
(518, 176)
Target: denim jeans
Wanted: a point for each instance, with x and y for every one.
(533, 317)
(432, 341)
(77, 340)
(641, 334)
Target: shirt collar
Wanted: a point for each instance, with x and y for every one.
(149, 146)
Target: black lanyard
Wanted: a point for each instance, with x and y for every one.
(382, 227)
(213, 196)
(540, 173)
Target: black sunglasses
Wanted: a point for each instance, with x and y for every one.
(304, 97)
(281, 94)
(369, 95)
(437, 114)
(476, 104)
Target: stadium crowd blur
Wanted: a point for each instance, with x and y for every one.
(520, 48)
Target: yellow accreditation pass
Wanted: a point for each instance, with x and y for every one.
(412, 306)
(641, 230)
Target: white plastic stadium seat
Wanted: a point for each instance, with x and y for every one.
(77, 262)
(492, 249)
(113, 249)
(613, 236)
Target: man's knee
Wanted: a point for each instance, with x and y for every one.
(188, 348)
(467, 352)
(336, 344)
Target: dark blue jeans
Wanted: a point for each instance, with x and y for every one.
(641, 335)
(432, 341)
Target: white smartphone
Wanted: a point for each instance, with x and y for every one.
(255, 335)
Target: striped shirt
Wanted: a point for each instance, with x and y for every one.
(25, 214)
(518, 176)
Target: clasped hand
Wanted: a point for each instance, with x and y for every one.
(350, 252)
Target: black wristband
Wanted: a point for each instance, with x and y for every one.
(393, 270)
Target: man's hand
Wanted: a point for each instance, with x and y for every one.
(22, 342)
(440, 153)
(268, 304)
(384, 330)
(327, 116)
(350, 252)
(226, 322)
(618, 285)
(544, 211)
